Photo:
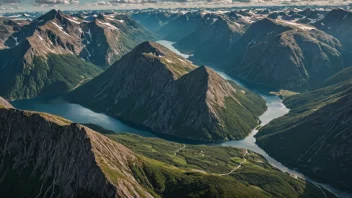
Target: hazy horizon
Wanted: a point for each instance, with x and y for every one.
(12, 6)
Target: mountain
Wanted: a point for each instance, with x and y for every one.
(101, 41)
(39, 76)
(154, 87)
(154, 20)
(315, 136)
(285, 55)
(45, 155)
(51, 54)
(109, 37)
(214, 35)
(8, 27)
(338, 23)
(180, 27)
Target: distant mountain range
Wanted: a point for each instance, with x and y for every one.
(286, 49)
(154, 87)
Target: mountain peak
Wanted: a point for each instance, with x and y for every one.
(267, 21)
(204, 70)
(151, 47)
(100, 17)
(52, 14)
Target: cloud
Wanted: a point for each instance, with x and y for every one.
(9, 1)
(56, 1)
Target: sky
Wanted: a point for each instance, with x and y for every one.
(7, 6)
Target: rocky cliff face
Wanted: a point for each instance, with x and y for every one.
(8, 27)
(285, 55)
(338, 23)
(315, 137)
(109, 35)
(156, 88)
(44, 155)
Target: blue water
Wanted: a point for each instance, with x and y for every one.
(77, 113)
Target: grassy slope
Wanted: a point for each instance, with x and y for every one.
(194, 171)
(314, 136)
(341, 76)
(240, 119)
(57, 74)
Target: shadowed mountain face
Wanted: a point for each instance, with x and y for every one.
(338, 23)
(285, 55)
(180, 27)
(8, 27)
(155, 20)
(214, 35)
(53, 53)
(156, 88)
(315, 137)
(45, 155)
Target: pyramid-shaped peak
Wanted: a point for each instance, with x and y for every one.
(153, 48)
(205, 73)
(52, 14)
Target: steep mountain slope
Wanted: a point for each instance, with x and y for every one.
(109, 37)
(285, 55)
(214, 35)
(315, 137)
(154, 87)
(338, 23)
(52, 74)
(44, 155)
(101, 41)
(180, 27)
(154, 20)
(45, 56)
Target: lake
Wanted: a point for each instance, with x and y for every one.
(77, 113)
